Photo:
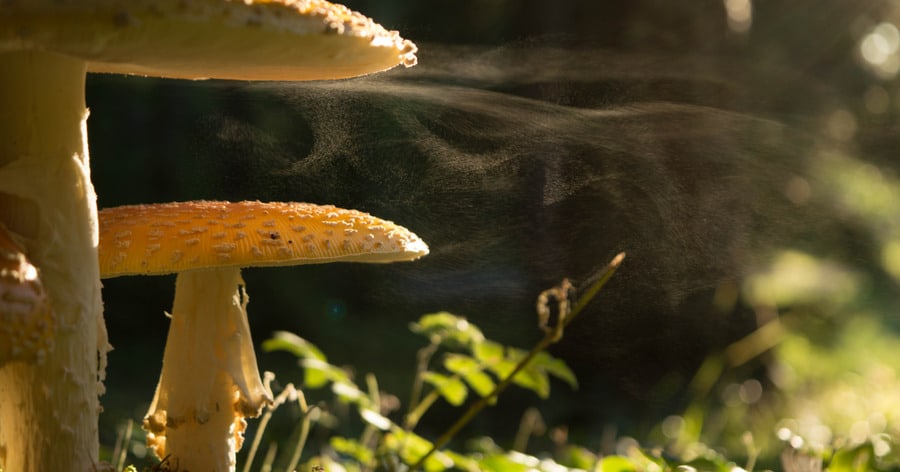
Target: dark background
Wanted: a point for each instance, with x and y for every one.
(532, 142)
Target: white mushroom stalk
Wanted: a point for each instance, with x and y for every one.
(210, 381)
(48, 410)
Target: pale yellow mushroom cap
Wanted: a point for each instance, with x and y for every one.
(198, 39)
(174, 237)
(27, 323)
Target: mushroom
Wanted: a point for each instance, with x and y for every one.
(26, 320)
(48, 409)
(210, 382)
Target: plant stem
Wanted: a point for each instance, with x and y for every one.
(368, 436)
(413, 417)
(269, 458)
(549, 338)
(304, 431)
(531, 423)
(120, 453)
(289, 393)
(423, 357)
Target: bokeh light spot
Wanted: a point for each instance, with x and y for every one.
(740, 15)
(751, 391)
(335, 309)
(879, 49)
(672, 426)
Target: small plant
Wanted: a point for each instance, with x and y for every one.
(460, 366)
(470, 365)
(457, 363)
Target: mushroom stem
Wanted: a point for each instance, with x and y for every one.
(49, 408)
(210, 381)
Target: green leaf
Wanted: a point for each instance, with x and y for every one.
(706, 464)
(451, 388)
(290, 342)
(616, 464)
(460, 363)
(412, 447)
(447, 328)
(471, 371)
(555, 367)
(578, 457)
(530, 377)
(352, 448)
(502, 463)
(463, 463)
(314, 378)
(533, 379)
(643, 459)
(318, 373)
(853, 459)
(488, 352)
(502, 361)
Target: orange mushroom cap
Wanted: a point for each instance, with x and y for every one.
(174, 237)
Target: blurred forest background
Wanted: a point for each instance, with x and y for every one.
(742, 153)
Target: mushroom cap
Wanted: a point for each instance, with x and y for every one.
(198, 39)
(27, 321)
(175, 237)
